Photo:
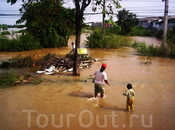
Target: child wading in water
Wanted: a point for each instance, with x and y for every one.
(130, 98)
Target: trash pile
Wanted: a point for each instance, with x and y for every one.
(52, 69)
(52, 64)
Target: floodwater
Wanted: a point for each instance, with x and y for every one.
(65, 102)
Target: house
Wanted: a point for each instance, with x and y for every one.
(156, 22)
(97, 24)
(171, 22)
(150, 22)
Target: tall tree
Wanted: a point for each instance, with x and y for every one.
(107, 9)
(126, 20)
(48, 21)
(80, 7)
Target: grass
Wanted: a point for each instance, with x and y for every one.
(18, 62)
(151, 50)
(139, 31)
(12, 78)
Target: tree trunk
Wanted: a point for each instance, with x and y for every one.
(79, 22)
(79, 16)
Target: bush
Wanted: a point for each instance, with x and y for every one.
(8, 78)
(5, 33)
(170, 35)
(139, 31)
(11, 77)
(113, 30)
(159, 34)
(151, 50)
(21, 43)
(96, 40)
(27, 42)
(18, 61)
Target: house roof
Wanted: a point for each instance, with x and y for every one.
(156, 18)
(171, 17)
(151, 19)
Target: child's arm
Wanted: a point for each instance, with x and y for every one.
(125, 93)
(106, 81)
(134, 93)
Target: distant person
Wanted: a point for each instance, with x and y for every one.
(100, 78)
(73, 46)
(130, 98)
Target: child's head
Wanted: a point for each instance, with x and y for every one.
(129, 86)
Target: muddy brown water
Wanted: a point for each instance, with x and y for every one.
(65, 102)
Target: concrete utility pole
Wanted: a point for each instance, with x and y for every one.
(103, 18)
(164, 40)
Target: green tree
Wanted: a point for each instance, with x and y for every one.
(48, 21)
(3, 27)
(126, 20)
(80, 7)
(107, 9)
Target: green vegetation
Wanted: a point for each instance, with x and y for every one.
(5, 33)
(20, 43)
(113, 30)
(48, 25)
(126, 21)
(151, 50)
(96, 40)
(139, 31)
(11, 78)
(170, 35)
(49, 22)
(18, 62)
(4, 27)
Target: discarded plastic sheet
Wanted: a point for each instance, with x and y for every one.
(51, 69)
(39, 72)
(48, 72)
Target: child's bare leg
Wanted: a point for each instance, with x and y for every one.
(132, 104)
(96, 95)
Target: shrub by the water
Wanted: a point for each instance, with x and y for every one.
(5, 33)
(139, 31)
(18, 61)
(151, 50)
(11, 78)
(170, 35)
(96, 40)
(20, 43)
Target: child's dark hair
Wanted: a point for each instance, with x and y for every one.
(129, 86)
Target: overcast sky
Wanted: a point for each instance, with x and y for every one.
(142, 8)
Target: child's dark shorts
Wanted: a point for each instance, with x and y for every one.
(99, 88)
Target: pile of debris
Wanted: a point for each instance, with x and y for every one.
(52, 64)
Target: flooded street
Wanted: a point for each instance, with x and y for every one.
(65, 102)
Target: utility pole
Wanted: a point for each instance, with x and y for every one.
(164, 40)
(103, 21)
